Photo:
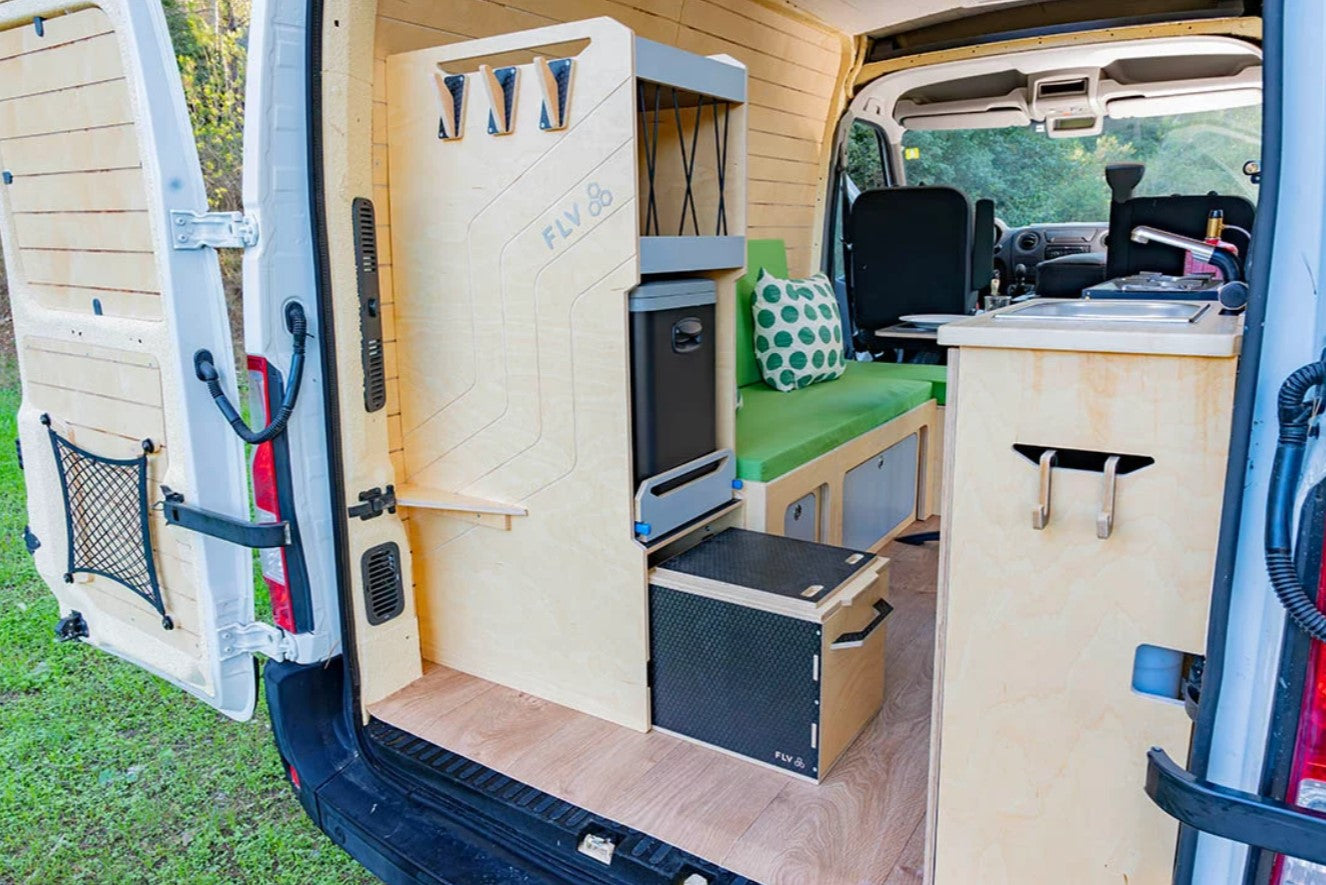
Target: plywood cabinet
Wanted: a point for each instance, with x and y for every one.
(1039, 733)
(532, 179)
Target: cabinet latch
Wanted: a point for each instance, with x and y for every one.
(220, 230)
(1191, 689)
(374, 503)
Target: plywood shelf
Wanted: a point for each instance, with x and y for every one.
(691, 254)
(481, 511)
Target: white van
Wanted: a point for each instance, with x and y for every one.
(820, 442)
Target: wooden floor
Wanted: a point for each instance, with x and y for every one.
(864, 823)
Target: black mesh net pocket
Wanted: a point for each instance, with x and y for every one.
(105, 511)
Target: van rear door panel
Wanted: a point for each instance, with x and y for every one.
(97, 150)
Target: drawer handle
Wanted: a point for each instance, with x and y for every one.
(1040, 516)
(1105, 518)
(858, 638)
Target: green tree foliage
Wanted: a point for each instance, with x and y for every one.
(211, 48)
(211, 42)
(1036, 179)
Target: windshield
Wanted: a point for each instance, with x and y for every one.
(1034, 179)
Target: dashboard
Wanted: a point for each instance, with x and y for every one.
(1035, 243)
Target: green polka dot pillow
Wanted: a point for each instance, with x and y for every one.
(798, 332)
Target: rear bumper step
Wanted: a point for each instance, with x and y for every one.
(411, 811)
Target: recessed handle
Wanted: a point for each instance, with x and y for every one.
(1040, 516)
(687, 335)
(1105, 518)
(857, 638)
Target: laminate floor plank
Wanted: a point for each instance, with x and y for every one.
(864, 823)
(855, 825)
(910, 868)
(591, 762)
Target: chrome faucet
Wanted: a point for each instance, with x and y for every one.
(1228, 264)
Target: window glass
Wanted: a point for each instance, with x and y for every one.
(865, 159)
(1034, 179)
(865, 170)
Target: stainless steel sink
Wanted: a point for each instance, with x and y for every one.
(1107, 310)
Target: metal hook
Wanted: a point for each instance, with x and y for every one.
(1105, 518)
(1040, 516)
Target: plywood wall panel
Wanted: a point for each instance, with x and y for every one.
(87, 150)
(96, 104)
(58, 31)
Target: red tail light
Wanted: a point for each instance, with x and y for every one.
(1307, 781)
(266, 501)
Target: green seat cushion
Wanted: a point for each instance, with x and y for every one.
(769, 255)
(937, 376)
(778, 432)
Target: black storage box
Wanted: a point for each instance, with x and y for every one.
(673, 394)
(769, 647)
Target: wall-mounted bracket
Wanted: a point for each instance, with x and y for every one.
(555, 80)
(451, 95)
(501, 84)
(220, 230)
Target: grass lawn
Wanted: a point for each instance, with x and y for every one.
(108, 774)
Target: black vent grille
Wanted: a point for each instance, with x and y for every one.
(370, 304)
(384, 595)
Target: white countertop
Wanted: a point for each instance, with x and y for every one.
(1211, 334)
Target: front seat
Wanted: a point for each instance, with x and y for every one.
(1180, 214)
(1067, 275)
(911, 250)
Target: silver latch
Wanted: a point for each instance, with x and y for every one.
(264, 639)
(220, 230)
(598, 847)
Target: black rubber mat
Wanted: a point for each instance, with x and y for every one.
(773, 564)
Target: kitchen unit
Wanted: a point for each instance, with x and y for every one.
(1083, 482)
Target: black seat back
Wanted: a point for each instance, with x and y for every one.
(910, 252)
(982, 245)
(1184, 215)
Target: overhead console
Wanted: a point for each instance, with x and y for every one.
(1068, 103)
(1070, 90)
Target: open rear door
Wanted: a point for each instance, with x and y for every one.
(97, 152)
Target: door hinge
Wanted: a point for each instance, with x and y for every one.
(72, 626)
(376, 501)
(255, 637)
(220, 230)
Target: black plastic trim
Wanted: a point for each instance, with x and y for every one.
(552, 821)
(1234, 814)
(987, 29)
(371, 353)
